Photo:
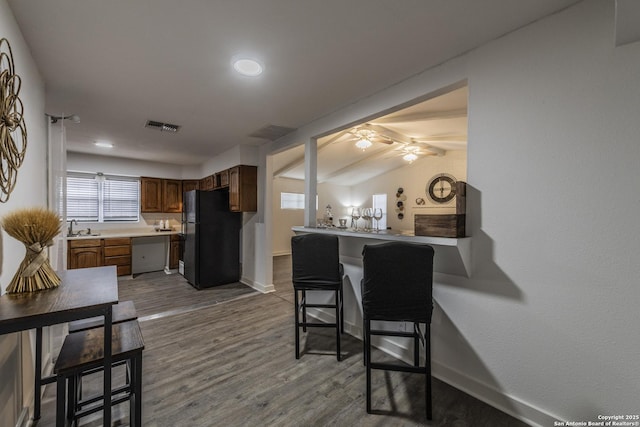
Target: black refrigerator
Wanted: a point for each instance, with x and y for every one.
(211, 239)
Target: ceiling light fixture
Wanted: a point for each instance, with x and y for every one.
(248, 67)
(364, 143)
(364, 138)
(103, 144)
(410, 157)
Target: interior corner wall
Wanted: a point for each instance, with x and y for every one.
(30, 191)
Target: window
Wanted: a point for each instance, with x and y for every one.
(293, 201)
(102, 198)
(380, 201)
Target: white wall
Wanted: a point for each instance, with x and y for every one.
(546, 326)
(413, 178)
(16, 365)
(284, 219)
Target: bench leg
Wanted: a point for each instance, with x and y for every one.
(60, 401)
(136, 403)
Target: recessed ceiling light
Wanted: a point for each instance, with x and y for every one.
(103, 144)
(248, 67)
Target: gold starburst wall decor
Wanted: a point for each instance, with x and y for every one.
(13, 131)
(35, 228)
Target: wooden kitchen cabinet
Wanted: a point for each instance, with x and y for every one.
(151, 194)
(171, 195)
(207, 183)
(190, 184)
(160, 195)
(243, 189)
(222, 179)
(174, 251)
(117, 251)
(84, 253)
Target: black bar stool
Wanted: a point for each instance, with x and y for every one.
(316, 267)
(83, 351)
(397, 287)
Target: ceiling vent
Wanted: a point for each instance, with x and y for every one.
(272, 132)
(162, 127)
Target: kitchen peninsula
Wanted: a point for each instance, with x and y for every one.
(452, 257)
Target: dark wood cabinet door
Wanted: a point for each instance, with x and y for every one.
(172, 195)
(174, 254)
(151, 194)
(190, 184)
(85, 257)
(207, 183)
(243, 189)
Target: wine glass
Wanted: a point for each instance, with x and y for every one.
(366, 215)
(355, 216)
(377, 215)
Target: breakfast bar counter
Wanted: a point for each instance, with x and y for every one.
(452, 255)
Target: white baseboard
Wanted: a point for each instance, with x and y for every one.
(281, 253)
(24, 419)
(260, 287)
(511, 405)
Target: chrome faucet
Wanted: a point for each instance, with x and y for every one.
(70, 231)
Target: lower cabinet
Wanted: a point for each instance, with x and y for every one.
(174, 252)
(84, 253)
(117, 251)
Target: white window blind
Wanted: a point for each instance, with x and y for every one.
(293, 201)
(102, 198)
(82, 197)
(120, 199)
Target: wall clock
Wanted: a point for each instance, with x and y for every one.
(441, 188)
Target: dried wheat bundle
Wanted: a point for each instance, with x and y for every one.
(36, 228)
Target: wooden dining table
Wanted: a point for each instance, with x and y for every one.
(83, 293)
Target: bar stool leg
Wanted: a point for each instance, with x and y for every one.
(427, 350)
(136, 405)
(304, 311)
(367, 361)
(338, 317)
(416, 345)
(297, 310)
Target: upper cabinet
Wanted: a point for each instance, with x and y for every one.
(190, 184)
(243, 189)
(160, 195)
(222, 179)
(165, 195)
(171, 195)
(207, 183)
(151, 197)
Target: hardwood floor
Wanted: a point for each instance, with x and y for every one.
(227, 359)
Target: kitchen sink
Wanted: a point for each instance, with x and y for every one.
(83, 235)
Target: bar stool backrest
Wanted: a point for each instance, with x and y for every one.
(315, 261)
(398, 281)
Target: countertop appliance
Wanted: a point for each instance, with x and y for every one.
(211, 239)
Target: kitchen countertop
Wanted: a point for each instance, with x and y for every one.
(453, 255)
(125, 233)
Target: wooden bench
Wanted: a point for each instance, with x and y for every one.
(83, 351)
(122, 312)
